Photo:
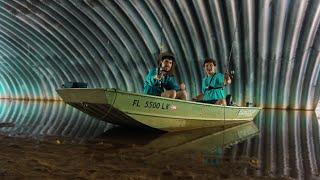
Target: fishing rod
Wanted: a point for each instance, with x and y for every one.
(229, 73)
(227, 66)
(159, 59)
(159, 69)
(161, 37)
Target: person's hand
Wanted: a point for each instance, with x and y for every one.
(227, 78)
(159, 76)
(226, 75)
(198, 98)
(182, 87)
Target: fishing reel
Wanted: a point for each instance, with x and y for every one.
(230, 74)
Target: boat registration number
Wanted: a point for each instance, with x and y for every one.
(151, 104)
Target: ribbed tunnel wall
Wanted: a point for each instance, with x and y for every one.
(273, 45)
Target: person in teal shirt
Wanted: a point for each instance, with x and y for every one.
(160, 81)
(213, 84)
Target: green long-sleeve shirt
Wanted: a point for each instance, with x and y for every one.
(216, 92)
(156, 87)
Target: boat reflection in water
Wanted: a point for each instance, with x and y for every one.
(203, 140)
(208, 144)
(287, 143)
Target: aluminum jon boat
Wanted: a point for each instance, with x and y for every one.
(139, 110)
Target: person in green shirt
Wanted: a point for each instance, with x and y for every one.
(213, 84)
(161, 81)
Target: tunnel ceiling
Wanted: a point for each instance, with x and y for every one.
(272, 46)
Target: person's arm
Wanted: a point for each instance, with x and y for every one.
(172, 84)
(203, 86)
(150, 81)
(203, 89)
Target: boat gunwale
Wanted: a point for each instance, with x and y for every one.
(191, 118)
(113, 90)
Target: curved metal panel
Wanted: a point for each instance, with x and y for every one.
(273, 46)
(37, 119)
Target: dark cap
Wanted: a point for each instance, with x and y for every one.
(166, 55)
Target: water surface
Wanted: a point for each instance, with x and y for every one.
(283, 143)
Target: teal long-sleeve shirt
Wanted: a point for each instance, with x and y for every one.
(156, 87)
(217, 90)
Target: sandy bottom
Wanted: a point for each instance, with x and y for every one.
(56, 158)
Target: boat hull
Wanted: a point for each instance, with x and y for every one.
(138, 110)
